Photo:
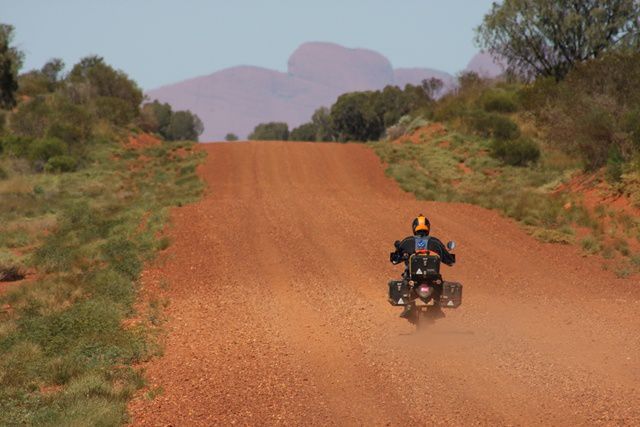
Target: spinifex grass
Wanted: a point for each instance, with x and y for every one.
(65, 356)
(457, 168)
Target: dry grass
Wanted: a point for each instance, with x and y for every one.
(65, 355)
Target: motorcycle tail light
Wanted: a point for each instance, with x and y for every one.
(424, 289)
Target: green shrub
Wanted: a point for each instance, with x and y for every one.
(504, 128)
(72, 123)
(593, 110)
(622, 246)
(42, 150)
(449, 108)
(155, 117)
(115, 110)
(57, 253)
(615, 164)
(104, 81)
(519, 152)
(15, 145)
(231, 137)
(591, 245)
(122, 255)
(499, 101)
(494, 125)
(61, 164)
(632, 127)
(552, 236)
(32, 118)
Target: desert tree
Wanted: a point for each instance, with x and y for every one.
(10, 63)
(549, 37)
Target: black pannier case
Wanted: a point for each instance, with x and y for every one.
(424, 266)
(398, 292)
(451, 296)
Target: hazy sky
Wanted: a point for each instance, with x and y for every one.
(163, 41)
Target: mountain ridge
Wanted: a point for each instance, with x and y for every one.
(235, 99)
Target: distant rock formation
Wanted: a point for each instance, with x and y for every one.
(236, 99)
(486, 65)
(337, 67)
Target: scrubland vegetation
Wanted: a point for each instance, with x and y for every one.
(83, 203)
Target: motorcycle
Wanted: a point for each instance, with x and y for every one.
(422, 284)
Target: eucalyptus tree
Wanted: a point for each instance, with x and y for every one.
(549, 37)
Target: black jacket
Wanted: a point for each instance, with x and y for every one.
(408, 246)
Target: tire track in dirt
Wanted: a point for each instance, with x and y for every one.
(278, 308)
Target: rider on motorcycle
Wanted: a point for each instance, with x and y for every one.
(421, 228)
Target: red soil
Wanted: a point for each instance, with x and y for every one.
(142, 140)
(426, 133)
(278, 312)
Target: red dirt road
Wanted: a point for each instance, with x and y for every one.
(278, 313)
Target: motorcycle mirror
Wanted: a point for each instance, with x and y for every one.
(451, 245)
(396, 243)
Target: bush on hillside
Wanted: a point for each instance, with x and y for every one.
(115, 110)
(631, 125)
(104, 81)
(32, 83)
(272, 131)
(504, 128)
(31, 119)
(592, 110)
(41, 150)
(61, 164)
(53, 117)
(494, 125)
(155, 117)
(450, 107)
(231, 137)
(499, 101)
(42, 81)
(518, 152)
(69, 122)
(615, 166)
(15, 145)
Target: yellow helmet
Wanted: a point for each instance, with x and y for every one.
(421, 223)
